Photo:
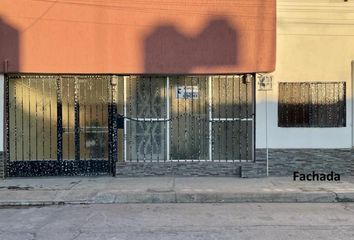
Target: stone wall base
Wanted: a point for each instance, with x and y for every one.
(283, 162)
(2, 165)
(184, 169)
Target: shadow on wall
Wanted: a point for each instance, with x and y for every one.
(9, 47)
(170, 51)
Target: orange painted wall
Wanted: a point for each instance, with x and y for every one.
(137, 36)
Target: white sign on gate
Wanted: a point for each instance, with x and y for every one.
(187, 92)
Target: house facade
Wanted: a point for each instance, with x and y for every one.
(188, 89)
(310, 114)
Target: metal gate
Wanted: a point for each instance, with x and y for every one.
(74, 125)
(61, 125)
(181, 118)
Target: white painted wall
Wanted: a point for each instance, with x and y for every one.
(314, 43)
(297, 137)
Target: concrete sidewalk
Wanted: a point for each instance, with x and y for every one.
(48, 191)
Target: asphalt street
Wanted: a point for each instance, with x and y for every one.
(179, 221)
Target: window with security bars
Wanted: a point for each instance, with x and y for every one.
(315, 104)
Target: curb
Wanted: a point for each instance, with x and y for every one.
(189, 197)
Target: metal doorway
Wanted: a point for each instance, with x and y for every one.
(74, 125)
(60, 125)
(189, 118)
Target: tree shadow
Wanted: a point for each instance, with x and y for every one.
(167, 50)
(9, 47)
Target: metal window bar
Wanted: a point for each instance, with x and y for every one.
(312, 104)
(168, 116)
(210, 119)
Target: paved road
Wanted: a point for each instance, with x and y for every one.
(179, 221)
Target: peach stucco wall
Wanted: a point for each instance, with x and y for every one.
(137, 36)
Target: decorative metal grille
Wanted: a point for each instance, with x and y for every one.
(146, 119)
(315, 104)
